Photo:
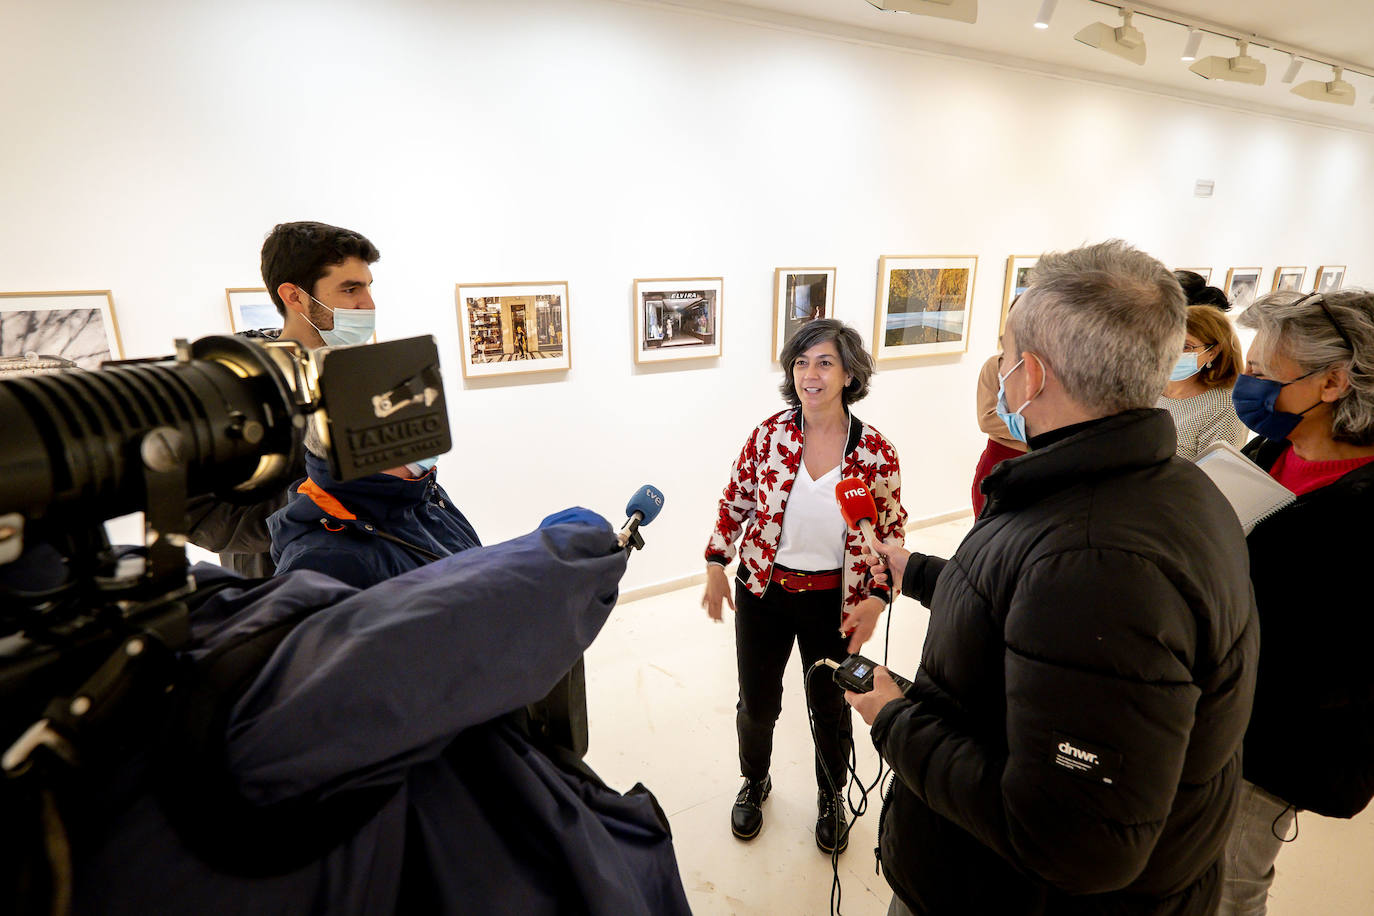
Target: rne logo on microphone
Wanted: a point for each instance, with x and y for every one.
(853, 492)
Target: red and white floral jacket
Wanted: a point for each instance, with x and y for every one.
(756, 497)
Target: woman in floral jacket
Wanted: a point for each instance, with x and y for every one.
(801, 573)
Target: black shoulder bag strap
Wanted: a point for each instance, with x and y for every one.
(428, 556)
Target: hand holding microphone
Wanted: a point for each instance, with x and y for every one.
(642, 509)
(860, 511)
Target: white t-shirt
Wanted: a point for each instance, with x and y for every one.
(813, 530)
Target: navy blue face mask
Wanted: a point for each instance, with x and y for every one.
(1254, 400)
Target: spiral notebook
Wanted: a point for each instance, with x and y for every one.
(1253, 493)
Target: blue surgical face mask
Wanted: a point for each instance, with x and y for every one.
(1254, 400)
(1016, 424)
(1185, 368)
(351, 326)
(422, 467)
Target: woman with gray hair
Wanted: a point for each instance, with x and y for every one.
(802, 576)
(1308, 391)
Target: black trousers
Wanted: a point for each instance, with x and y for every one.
(764, 631)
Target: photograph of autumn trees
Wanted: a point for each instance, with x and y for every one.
(926, 306)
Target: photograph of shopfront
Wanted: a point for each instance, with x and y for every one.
(679, 318)
(504, 328)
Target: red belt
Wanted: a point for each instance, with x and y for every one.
(790, 581)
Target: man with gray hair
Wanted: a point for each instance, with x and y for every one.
(1072, 740)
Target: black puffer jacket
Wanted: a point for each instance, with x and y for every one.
(1311, 738)
(1071, 744)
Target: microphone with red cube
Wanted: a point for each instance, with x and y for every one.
(860, 511)
(858, 508)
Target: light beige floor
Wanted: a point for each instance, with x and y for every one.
(661, 691)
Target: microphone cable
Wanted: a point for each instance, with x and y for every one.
(851, 764)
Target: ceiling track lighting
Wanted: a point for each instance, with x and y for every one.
(1042, 19)
(1294, 65)
(1337, 92)
(1126, 41)
(958, 10)
(1239, 69)
(1194, 42)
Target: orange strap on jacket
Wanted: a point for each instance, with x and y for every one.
(324, 500)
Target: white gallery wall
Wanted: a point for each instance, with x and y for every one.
(149, 146)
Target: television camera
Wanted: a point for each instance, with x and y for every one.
(88, 632)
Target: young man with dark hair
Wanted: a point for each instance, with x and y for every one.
(319, 278)
(314, 271)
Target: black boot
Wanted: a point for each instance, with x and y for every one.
(746, 818)
(831, 826)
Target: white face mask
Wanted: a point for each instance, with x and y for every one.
(351, 326)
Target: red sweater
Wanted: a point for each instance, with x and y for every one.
(1303, 476)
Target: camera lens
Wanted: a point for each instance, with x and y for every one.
(73, 438)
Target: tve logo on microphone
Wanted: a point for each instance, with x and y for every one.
(647, 502)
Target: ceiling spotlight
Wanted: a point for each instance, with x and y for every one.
(960, 10)
(1294, 65)
(1194, 42)
(1239, 69)
(1042, 19)
(1338, 91)
(1125, 42)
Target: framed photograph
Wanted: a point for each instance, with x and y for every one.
(1204, 272)
(1241, 285)
(923, 305)
(78, 325)
(800, 294)
(1329, 278)
(678, 319)
(1018, 270)
(1288, 278)
(250, 308)
(512, 328)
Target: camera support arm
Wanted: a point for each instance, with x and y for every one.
(142, 667)
(163, 451)
(78, 727)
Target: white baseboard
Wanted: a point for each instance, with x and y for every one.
(658, 588)
(938, 519)
(696, 578)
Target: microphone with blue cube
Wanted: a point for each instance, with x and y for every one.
(642, 509)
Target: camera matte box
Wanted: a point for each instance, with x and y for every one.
(385, 404)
